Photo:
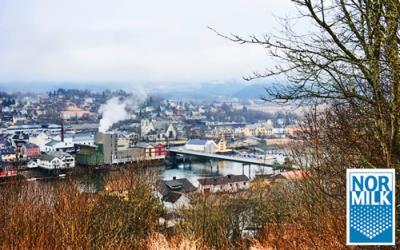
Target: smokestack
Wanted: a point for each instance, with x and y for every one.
(62, 129)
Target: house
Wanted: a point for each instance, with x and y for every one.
(30, 151)
(75, 113)
(206, 146)
(229, 183)
(8, 154)
(56, 160)
(174, 193)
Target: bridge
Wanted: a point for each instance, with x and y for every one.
(244, 160)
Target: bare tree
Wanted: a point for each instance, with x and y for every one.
(350, 58)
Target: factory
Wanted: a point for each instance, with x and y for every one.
(107, 151)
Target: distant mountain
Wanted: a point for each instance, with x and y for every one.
(212, 91)
(202, 91)
(255, 91)
(258, 90)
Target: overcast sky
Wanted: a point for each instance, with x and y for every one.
(132, 40)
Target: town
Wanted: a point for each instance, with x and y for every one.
(48, 135)
(199, 124)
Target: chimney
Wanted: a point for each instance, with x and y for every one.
(174, 178)
(62, 129)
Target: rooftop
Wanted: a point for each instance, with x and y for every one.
(197, 142)
(221, 180)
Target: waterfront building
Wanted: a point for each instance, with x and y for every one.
(229, 183)
(206, 146)
(90, 155)
(221, 146)
(56, 160)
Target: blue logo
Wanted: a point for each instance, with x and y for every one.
(370, 206)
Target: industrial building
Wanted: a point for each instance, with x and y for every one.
(35, 129)
(106, 151)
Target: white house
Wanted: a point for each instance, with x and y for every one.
(206, 146)
(229, 183)
(56, 160)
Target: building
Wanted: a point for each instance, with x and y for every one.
(133, 139)
(19, 139)
(8, 154)
(150, 152)
(157, 131)
(206, 146)
(174, 193)
(75, 113)
(56, 160)
(146, 126)
(90, 155)
(110, 145)
(258, 129)
(229, 183)
(69, 142)
(128, 155)
(221, 146)
(114, 155)
(40, 140)
(166, 131)
(82, 127)
(35, 129)
(160, 151)
(29, 151)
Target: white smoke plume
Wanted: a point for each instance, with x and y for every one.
(116, 109)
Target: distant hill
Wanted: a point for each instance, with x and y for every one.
(255, 91)
(202, 91)
(240, 90)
